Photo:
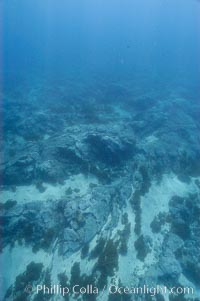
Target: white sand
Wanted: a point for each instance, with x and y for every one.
(24, 194)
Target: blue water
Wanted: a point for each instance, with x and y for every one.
(153, 40)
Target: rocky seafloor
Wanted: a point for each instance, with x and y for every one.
(98, 188)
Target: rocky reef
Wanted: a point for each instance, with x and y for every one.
(99, 188)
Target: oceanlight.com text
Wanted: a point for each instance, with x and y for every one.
(111, 289)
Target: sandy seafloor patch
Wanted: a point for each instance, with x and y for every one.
(24, 194)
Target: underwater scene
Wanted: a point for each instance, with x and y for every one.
(100, 150)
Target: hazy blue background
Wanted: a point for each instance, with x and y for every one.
(110, 39)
